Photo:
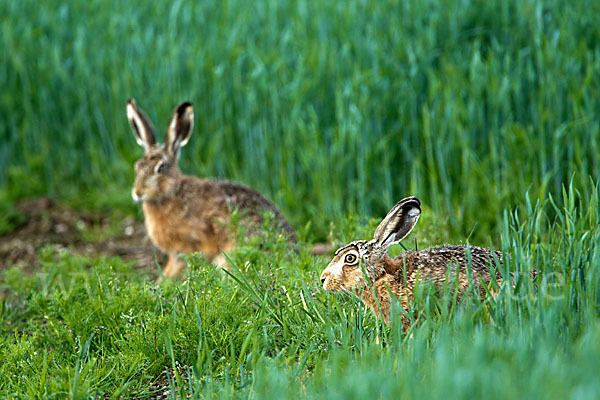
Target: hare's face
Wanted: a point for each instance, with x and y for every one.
(155, 176)
(344, 272)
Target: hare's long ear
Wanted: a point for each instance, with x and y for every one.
(401, 219)
(180, 128)
(141, 125)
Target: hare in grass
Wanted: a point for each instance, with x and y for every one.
(183, 213)
(383, 274)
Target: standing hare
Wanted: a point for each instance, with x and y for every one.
(400, 275)
(183, 213)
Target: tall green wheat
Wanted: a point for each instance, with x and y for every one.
(328, 107)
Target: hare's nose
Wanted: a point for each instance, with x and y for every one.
(136, 195)
(323, 278)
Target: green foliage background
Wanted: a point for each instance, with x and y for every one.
(328, 107)
(486, 110)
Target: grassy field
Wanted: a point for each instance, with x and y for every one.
(486, 110)
(94, 328)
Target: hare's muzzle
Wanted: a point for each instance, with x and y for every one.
(329, 282)
(323, 279)
(137, 197)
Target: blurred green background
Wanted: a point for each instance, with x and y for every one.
(329, 108)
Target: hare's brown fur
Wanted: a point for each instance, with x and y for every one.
(184, 214)
(438, 264)
(460, 265)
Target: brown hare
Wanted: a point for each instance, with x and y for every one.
(401, 274)
(183, 213)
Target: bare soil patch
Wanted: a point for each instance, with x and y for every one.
(82, 232)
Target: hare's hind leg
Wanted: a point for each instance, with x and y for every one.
(174, 266)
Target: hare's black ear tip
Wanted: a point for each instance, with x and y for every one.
(184, 107)
(413, 201)
(416, 201)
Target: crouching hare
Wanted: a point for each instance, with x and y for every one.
(400, 275)
(183, 213)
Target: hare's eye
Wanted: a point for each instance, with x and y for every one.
(350, 258)
(160, 168)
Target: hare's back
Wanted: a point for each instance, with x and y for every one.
(244, 198)
(224, 196)
(439, 263)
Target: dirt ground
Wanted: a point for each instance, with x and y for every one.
(83, 233)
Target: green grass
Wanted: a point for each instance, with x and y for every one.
(93, 327)
(329, 108)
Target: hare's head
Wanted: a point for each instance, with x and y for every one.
(344, 272)
(156, 173)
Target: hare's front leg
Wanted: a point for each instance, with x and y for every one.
(174, 266)
(221, 263)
